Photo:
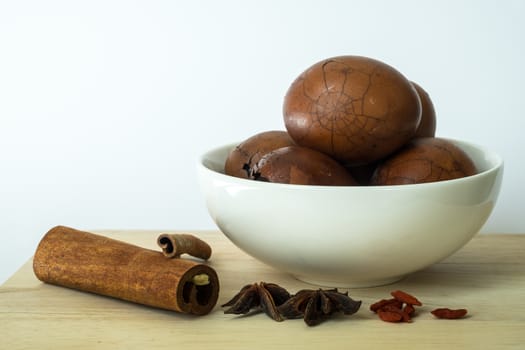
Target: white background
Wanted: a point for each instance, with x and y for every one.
(106, 105)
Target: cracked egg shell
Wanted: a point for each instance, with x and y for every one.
(301, 166)
(355, 109)
(423, 160)
(241, 159)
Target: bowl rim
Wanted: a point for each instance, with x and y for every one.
(496, 159)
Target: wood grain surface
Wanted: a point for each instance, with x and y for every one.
(487, 277)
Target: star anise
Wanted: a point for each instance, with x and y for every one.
(266, 296)
(315, 306)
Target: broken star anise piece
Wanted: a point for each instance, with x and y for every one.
(315, 306)
(267, 296)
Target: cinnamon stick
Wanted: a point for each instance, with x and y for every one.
(97, 264)
(175, 244)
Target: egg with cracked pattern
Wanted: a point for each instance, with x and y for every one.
(241, 159)
(355, 109)
(301, 166)
(424, 160)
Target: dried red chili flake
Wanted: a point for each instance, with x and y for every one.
(409, 309)
(389, 316)
(405, 317)
(384, 302)
(400, 308)
(449, 314)
(405, 297)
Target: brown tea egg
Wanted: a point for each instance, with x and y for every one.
(301, 166)
(247, 153)
(427, 125)
(422, 160)
(355, 109)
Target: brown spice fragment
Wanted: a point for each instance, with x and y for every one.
(315, 306)
(450, 314)
(175, 244)
(97, 264)
(266, 296)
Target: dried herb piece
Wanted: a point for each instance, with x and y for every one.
(315, 306)
(266, 296)
(450, 314)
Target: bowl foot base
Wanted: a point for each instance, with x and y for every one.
(348, 283)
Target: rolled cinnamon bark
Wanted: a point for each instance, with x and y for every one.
(97, 264)
(175, 244)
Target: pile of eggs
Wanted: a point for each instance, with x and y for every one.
(352, 120)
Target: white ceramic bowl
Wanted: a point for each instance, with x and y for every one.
(350, 236)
